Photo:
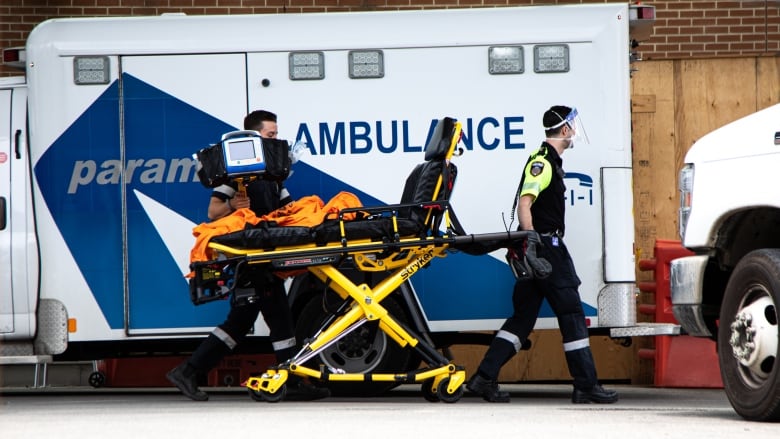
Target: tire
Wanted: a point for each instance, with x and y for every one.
(748, 336)
(97, 379)
(365, 350)
(263, 396)
(449, 398)
(429, 393)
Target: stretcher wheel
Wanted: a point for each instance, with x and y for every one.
(428, 392)
(448, 397)
(263, 396)
(366, 350)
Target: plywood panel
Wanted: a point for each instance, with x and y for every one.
(653, 137)
(767, 82)
(654, 175)
(712, 93)
(545, 361)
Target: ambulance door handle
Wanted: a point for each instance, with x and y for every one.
(17, 138)
(2, 213)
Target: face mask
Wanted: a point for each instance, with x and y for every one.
(568, 140)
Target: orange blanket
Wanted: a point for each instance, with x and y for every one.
(308, 211)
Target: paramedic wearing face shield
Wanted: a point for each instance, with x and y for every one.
(541, 208)
(266, 290)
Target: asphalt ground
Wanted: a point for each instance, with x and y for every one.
(536, 411)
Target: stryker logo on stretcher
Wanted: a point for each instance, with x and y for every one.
(417, 265)
(340, 138)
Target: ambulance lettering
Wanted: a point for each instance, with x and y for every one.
(582, 191)
(339, 138)
(386, 137)
(156, 170)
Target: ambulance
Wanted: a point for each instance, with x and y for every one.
(100, 192)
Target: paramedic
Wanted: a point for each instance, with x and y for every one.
(268, 294)
(541, 208)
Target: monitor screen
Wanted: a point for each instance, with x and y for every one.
(242, 150)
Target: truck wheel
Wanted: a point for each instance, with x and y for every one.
(365, 350)
(748, 336)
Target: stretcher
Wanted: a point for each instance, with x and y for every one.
(399, 239)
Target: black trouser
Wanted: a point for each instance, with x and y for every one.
(271, 300)
(560, 290)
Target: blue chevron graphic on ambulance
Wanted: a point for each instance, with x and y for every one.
(80, 178)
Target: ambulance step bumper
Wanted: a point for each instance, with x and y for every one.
(645, 329)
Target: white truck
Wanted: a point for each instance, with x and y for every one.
(100, 192)
(730, 289)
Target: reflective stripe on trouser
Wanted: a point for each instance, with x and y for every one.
(283, 344)
(225, 337)
(503, 347)
(511, 338)
(576, 344)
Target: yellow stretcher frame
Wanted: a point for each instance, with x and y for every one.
(402, 257)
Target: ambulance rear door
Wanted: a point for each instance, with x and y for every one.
(18, 249)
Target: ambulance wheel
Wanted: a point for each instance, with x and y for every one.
(263, 396)
(749, 338)
(367, 349)
(97, 379)
(449, 397)
(429, 393)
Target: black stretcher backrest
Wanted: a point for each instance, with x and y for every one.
(439, 145)
(432, 180)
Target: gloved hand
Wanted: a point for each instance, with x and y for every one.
(523, 261)
(541, 267)
(297, 150)
(517, 264)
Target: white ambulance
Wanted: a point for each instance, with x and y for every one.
(100, 192)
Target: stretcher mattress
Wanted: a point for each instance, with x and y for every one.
(268, 237)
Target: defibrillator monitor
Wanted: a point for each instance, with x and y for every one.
(243, 152)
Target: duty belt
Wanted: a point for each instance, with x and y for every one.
(556, 233)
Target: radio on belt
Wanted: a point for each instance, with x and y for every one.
(243, 153)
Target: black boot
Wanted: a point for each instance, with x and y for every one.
(487, 389)
(586, 386)
(206, 356)
(184, 377)
(595, 394)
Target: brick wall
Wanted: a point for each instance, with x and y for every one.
(714, 28)
(684, 29)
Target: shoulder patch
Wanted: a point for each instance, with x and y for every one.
(536, 168)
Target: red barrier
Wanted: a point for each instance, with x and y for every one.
(150, 371)
(680, 361)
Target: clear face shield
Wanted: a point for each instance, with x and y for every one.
(576, 133)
